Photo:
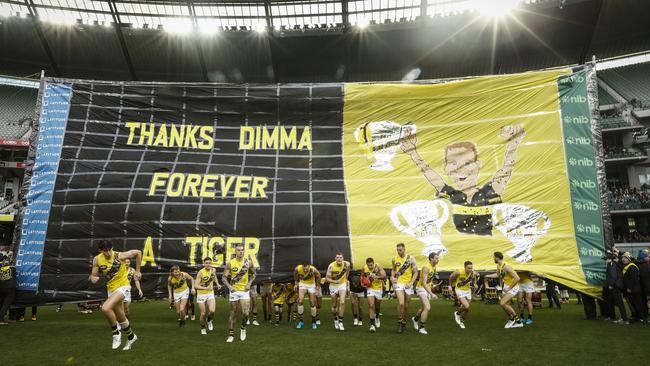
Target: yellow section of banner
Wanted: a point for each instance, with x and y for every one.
(465, 168)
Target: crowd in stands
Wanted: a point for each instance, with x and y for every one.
(617, 152)
(628, 198)
(614, 120)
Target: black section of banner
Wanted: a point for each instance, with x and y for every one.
(103, 182)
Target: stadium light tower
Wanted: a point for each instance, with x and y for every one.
(495, 8)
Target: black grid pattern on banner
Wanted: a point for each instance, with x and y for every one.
(102, 184)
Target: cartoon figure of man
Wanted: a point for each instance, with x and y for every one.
(472, 214)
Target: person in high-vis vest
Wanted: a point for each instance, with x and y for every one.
(204, 283)
(238, 276)
(110, 264)
(307, 280)
(424, 290)
(403, 278)
(510, 288)
(462, 282)
(337, 277)
(178, 291)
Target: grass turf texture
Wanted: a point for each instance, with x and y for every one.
(558, 337)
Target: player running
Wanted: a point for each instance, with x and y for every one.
(307, 279)
(510, 286)
(179, 292)
(463, 280)
(111, 265)
(402, 277)
(238, 276)
(277, 296)
(291, 299)
(526, 291)
(337, 277)
(424, 291)
(204, 283)
(132, 279)
(372, 277)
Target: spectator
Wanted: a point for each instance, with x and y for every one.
(7, 285)
(632, 284)
(613, 290)
(644, 274)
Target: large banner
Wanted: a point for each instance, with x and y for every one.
(302, 171)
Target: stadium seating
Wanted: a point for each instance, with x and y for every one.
(604, 98)
(17, 109)
(613, 122)
(632, 82)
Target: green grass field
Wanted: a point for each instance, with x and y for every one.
(558, 337)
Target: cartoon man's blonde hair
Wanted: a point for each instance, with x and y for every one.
(466, 145)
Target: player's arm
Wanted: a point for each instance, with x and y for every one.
(169, 288)
(514, 134)
(513, 274)
(251, 275)
(94, 272)
(328, 275)
(452, 278)
(380, 275)
(224, 277)
(408, 146)
(296, 277)
(317, 277)
(197, 283)
(424, 274)
(136, 256)
(414, 265)
(393, 272)
(137, 285)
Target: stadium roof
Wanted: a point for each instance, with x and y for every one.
(311, 41)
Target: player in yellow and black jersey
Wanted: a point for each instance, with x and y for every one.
(238, 276)
(403, 278)
(337, 277)
(204, 283)
(178, 289)
(462, 281)
(424, 290)
(307, 280)
(110, 264)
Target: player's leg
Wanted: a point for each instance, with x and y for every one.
(341, 305)
(125, 326)
(407, 303)
(182, 311)
(378, 300)
(463, 311)
(520, 302)
(245, 305)
(529, 302)
(401, 295)
(314, 309)
(210, 306)
(512, 314)
(301, 308)
(203, 315)
(232, 318)
(371, 310)
(278, 313)
(127, 309)
(423, 312)
(253, 307)
(108, 309)
(334, 309)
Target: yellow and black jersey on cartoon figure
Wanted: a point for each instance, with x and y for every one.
(475, 216)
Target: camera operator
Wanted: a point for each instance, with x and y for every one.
(632, 284)
(7, 284)
(614, 287)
